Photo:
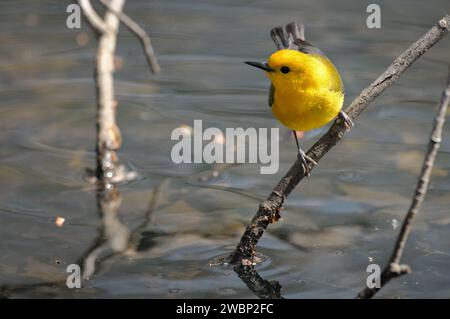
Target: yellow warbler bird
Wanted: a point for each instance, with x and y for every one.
(306, 91)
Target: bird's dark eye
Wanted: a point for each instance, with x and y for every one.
(285, 69)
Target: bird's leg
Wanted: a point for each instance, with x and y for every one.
(347, 120)
(305, 159)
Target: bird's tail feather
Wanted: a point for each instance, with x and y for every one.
(285, 37)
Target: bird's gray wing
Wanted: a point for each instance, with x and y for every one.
(271, 95)
(306, 47)
(284, 36)
(292, 36)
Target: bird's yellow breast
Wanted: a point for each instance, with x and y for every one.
(310, 95)
(307, 110)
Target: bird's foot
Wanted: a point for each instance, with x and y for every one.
(347, 120)
(306, 160)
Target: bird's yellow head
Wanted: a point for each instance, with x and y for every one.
(292, 69)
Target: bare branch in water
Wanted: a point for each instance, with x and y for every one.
(394, 268)
(108, 171)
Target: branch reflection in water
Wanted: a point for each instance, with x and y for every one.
(113, 236)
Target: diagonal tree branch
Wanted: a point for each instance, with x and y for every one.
(394, 268)
(269, 210)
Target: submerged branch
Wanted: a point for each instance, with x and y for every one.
(262, 288)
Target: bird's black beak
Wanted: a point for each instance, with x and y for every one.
(259, 65)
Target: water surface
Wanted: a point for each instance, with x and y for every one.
(334, 224)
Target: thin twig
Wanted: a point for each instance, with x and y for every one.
(109, 170)
(114, 236)
(140, 33)
(269, 210)
(394, 268)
